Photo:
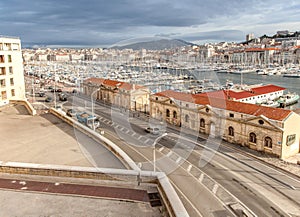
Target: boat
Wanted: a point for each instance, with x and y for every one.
(292, 75)
(271, 103)
(261, 72)
(288, 99)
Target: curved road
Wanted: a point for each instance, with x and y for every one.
(229, 184)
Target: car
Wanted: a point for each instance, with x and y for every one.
(153, 130)
(41, 94)
(71, 112)
(63, 97)
(48, 99)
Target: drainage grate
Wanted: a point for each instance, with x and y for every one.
(154, 199)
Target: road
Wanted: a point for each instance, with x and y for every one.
(225, 182)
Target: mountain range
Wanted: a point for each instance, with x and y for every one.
(160, 44)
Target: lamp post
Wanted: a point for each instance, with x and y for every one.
(92, 99)
(154, 153)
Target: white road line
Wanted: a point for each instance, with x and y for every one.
(178, 160)
(189, 168)
(201, 177)
(169, 154)
(147, 140)
(162, 148)
(215, 188)
(187, 199)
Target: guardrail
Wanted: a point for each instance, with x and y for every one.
(169, 196)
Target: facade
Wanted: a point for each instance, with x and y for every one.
(121, 94)
(12, 85)
(271, 130)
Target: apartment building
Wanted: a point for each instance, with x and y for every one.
(270, 130)
(12, 85)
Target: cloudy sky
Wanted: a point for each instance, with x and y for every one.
(106, 22)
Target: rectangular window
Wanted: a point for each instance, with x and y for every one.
(4, 95)
(12, 83)
(2, 83)
(11, 70)
(13, 92)
(2, 71)
(187, 105)
(9, 58)
(1, 58)
(231, 115)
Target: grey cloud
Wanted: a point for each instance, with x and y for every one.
(95, 21)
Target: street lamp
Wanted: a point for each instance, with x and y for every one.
(92, 99)
(154, 153)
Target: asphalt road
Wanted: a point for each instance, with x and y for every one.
(210, 183)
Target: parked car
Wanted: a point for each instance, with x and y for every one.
(71, 112)
(41, 94)
(63, 97)
(48, 99)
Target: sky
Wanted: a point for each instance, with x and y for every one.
(104, 23)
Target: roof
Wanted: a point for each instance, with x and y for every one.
(113, 83)
(255, 91)
(261, 49)
(222, 103)
(267, 89)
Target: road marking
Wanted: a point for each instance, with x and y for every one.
(162, 148)
(201, 177)
(215, 188)
(178, 160)
(169, 154)
(187, 199)
(189, 168)
(133, 134)
(147, 140)
(127, 131)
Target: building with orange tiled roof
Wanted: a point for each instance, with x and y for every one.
(255, 94)
(266, 129)
(121, 94)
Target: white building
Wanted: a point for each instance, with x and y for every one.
(12, 85)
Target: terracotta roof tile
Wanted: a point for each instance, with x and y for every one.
(219, 102)
(114, 83)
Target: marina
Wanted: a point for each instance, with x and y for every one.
(157, 79)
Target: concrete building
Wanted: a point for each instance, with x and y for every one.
(270, 130)
(12, 86)
(249, 37)
(121, 94)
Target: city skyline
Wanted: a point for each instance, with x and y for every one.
(100, 23)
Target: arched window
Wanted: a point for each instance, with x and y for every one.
(202, 123)
(230, 131)
(268, 142)
(187, 118)
(174, 114)
(168, 113)
(252, 137)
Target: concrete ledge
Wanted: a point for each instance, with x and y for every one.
(169, 196)
(27, 105)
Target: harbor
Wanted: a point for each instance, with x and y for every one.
(157, 79)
